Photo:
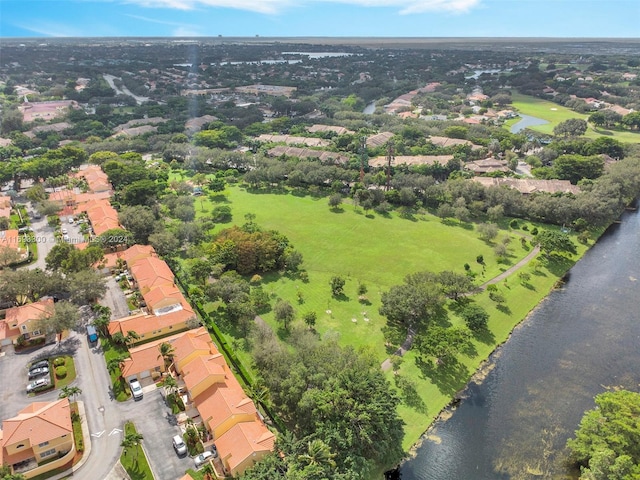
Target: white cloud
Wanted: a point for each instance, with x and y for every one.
(275, 6)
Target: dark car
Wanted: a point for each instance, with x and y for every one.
(39, 364)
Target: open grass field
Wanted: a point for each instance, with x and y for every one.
(554, 114)
(379, 251)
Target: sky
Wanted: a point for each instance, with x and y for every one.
(320, 18)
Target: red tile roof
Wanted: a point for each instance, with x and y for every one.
(244, 441)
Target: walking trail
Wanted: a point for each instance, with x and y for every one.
(408, 341)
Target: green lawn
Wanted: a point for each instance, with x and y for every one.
(554, 113)
(71, 372)
(134, 460)
(120, 389)
(379, 251)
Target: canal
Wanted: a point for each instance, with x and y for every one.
(583, 339)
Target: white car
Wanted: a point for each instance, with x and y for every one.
(38, 372)
(203, 458)
(179, 446)
(41, 382)
(136, 389)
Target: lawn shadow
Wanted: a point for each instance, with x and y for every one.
(337, 209)
(342, 298)
(528, 286)
(485, 336)
(448, 377)
(219, 198)
(503, 308)
(409, 394)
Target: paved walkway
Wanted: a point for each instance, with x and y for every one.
(408, 341)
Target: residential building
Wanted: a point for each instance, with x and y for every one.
(23, 321)
(38, 433)
(243, 445)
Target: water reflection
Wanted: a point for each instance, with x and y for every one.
(582, 340)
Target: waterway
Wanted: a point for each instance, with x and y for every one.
(580, 341)
(526, 121)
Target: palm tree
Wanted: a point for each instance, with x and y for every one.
(69, 391)
(131, 441)
(167, 352)
(259, 393)
(116, 364)
(131, 337)
(208, 471)
(170, 384)
(318, 453)
(102, 324)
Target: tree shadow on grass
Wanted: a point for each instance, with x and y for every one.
(484, 336)
(342, 298)
(220, 198)
(409, 394)
(503, 308)
(558, 265)
(448, 377)
(337, 210)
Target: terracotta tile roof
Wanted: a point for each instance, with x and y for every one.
(186, 477)
(243, 441)
(101, 214)
(379, 139)
(324, 157)
(194, 340)
(329, 128)
(150, 272)
(411, 160)
(5, 205)
(529, 185)
(292, 140)
(19, 315)
(203, 368)
(38, 423)
(136, 252)
(9, 238)
(163, 295)
(222, 401)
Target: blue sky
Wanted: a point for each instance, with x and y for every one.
(341, 18)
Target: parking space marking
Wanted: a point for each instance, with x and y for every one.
(99, 434)
(115, 431)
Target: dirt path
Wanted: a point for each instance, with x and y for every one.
(408, 341)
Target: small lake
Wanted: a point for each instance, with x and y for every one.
(370, 109)
(581, 340)
(526, 121)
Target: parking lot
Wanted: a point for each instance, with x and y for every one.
(153, 419)
(14, 374)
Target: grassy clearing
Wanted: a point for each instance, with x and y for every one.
(554, 114)
(379, 251)
(375, 250)
(134, 460)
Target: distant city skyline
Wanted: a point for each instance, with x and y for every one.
(323, 18)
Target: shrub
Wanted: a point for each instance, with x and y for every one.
(534, 231)
(61, 372)
(475, 317)
(513, 223)
(59, 362)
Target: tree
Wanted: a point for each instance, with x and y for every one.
(201, 270)
(475, 317)
(573, 127)
(167, 352)
(310, 319)
(64, 316)
(335, 201)
(116, 365)
(114, 237)
(442, 343)
(453, 284)
(170, 384)
(70, 391)
(131, 441)
(414, 302)
(139, 220)
(632, 120)
(284, 313)
(8, 256)
(86, 286)
(337, 285)
(554, 241)
(576, 167)
(487, 231)
(164, 242)
(318, 453)
(131, 337)
(606, 444)
(221, 214)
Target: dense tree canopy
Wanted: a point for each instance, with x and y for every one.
(607, 444)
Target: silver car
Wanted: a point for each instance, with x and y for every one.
(38, 372)
(41, 382)
(203, 458)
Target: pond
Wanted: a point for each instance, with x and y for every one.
(526, 121)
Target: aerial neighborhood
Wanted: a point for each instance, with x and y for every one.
(260, 260)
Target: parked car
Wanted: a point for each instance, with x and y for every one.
(179, 446)
(136, 389)
(41, 382)
(70, 220)
(214, 450)
(38, 372)
(203, 458)
(66, 238)
(64, 230)
(39, 364)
